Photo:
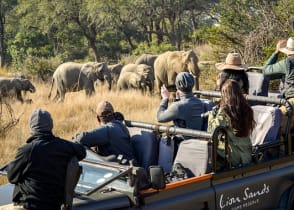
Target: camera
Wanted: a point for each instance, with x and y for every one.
(171, 88)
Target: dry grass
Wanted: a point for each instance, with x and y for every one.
(75, 114)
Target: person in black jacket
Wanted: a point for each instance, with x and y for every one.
(39, 168)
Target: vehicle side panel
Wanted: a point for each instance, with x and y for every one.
(258, 192)
(196, 196)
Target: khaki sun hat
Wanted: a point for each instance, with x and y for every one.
(233, 62)
(289, 49)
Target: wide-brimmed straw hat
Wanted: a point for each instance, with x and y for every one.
(289, 49)
(233, 62)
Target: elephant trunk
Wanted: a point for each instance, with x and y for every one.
(109, 81)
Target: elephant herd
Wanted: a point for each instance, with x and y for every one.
(148, 73)
(152, 71)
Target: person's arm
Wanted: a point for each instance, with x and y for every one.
(80, 151)
(278, 68)
(92, 138)
(17, 168)
(216, 120)
(166, 115)
(272, 67)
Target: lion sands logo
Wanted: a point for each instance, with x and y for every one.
(248, 198)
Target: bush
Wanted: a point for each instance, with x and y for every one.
(41, 68)
(153, 48)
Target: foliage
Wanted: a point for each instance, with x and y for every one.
(40, 67)
(153, 48)
(251, 27)
(28, 44)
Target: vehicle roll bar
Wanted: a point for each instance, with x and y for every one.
(169, 129)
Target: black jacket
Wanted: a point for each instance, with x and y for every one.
(39, 170)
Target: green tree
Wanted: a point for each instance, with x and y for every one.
(251, 27)
(63, 21)
(5, 7)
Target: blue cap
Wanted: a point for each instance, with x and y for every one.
(185, 82)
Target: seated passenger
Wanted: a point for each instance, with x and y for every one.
(186, 111)
(235, 114)
(111, 137)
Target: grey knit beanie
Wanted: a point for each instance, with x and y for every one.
(40, 121)
(185, 82)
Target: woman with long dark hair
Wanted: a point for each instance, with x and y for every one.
(236, 116)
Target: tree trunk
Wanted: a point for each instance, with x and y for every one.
(94, 48)
(2, 21)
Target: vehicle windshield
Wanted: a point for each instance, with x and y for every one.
(93, 177)
(96, 174)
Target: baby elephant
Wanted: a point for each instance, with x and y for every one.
(12, 87)
(131, 80)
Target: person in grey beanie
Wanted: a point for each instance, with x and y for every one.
(39, 168)
(186, 111)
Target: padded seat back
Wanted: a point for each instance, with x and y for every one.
(258, 84)
(208, 105)
(268, 122)
(145, 144)
(193, 156)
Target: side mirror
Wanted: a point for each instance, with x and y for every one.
(157, 178)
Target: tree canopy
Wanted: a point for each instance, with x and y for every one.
(34, 30)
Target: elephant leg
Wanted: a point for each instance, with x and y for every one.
(62, 96)
(19, 97)
(90, 89)
(56, 97)
(150, 87)
(157, 85)
(197, 82)
(89, 92)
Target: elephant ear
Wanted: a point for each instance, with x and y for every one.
(143, 70)
(190, 58)
(100, 69)
(89, 70)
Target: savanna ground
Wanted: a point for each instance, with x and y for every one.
(76, 113)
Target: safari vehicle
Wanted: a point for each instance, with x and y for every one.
(267, 183)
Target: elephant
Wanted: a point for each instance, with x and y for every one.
(147, 59)
(168, 64)
(145, 70)
(131, 80)
(13, 87)
(115, 70)
(72, 77)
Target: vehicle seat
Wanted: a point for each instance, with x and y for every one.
(268, 122)
(208, 105)
(145, 143)
(258, 84)
(193, 156)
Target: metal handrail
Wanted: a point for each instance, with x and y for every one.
(169, 129)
